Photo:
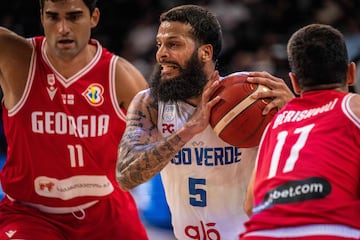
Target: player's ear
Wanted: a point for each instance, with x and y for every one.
(294, 83)
(205, 52)
(351, 74)
(95, 17)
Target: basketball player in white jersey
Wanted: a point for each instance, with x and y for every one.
(168, 130)
(306, 185)
(64, 105)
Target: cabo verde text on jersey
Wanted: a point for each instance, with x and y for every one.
(207, 156)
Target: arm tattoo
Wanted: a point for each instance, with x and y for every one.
(141, 155)
(144, 162)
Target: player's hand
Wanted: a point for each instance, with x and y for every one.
(279, 91)
(200, 119)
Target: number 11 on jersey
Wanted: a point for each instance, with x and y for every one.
(76, 155)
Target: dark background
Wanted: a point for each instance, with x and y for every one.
(255, 31)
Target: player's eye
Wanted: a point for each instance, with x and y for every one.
(52, 16)
(74, 17)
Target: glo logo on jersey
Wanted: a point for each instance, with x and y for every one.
(94, 94)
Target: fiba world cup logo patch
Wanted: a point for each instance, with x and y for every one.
(169, 113)
(94, 94)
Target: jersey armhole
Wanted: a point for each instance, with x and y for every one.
(120, 112)
(345, 105)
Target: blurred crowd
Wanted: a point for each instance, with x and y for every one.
(255, 31)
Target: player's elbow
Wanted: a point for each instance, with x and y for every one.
(122, 177)
(124, 187)
(123, 182)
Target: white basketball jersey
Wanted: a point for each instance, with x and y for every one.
(205, 183)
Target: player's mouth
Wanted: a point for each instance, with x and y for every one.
(169, 70)
(66, 43)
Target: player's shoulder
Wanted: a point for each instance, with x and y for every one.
(122, 61)
(355, 104)
(14, 46)
(127, 71)
(124, 64)
(145, 103)
(145, 96)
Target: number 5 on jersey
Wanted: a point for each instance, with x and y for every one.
(197, 192)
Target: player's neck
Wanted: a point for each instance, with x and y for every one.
(334, 86)
(194, 101)
(69, 65)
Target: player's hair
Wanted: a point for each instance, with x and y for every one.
(206, 28)
(91, 4)
(317, 55)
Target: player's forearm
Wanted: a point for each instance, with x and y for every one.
(143, 162)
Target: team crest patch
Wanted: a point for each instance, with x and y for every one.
(94, 94)
(169, 113)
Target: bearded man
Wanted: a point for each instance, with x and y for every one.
(168, 130)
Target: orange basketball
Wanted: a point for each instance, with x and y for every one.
(237, 119)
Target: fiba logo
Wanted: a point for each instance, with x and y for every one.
(169, 113)
(94, 94)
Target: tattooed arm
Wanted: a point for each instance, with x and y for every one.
(141, 156)
(143, 152)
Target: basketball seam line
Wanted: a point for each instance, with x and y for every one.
(240, 107)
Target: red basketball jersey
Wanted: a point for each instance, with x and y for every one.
(63, 135)
(308, 167)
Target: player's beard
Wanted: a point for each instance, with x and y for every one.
(189, 83)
